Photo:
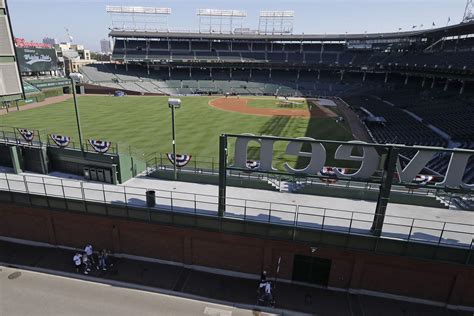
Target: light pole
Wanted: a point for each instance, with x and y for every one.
(172, 104)
(76, 109)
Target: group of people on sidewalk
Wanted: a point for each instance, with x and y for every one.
(88, 259)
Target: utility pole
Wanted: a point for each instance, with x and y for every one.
(76, 109)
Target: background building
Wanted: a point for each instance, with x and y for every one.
(73, 56)
(50, 41)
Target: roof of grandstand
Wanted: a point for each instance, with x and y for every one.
(453, 30)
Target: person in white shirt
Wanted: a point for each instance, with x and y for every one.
(77, 261)
(90, 254)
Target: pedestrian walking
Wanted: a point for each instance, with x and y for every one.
(89, 250)
(103, 258)
(86, 264)
(77, 261)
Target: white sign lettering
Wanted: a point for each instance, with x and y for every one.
(369, 159)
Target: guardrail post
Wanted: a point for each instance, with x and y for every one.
(442, 233)
(171, 200)
(62, 189)
(270, 213)
(295, 221)
(222, 174)
(245, 209)
(324, 217)
(8, 182)
(350, 225)
(195, 204)
(411, 228)
(384, 191)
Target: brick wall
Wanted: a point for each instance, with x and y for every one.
(450, 283)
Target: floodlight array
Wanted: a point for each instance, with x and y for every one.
(277, 14)
(137, 10)
(217, 12)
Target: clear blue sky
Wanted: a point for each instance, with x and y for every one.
(88, 22)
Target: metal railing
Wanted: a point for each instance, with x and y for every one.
(421, 230)
(197, 165)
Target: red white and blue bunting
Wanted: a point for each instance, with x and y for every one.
(60, 140)
(181, 160)
(329, 172)
(252, 164)
(27, 134)
(423, 179)
(100, 146)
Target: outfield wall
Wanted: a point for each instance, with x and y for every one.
(357, 271)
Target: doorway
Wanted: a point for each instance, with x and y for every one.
(311, 270)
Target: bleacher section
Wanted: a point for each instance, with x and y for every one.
(311, 54)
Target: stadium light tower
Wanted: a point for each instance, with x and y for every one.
(469, 12)
(139, 18)
(76, 110)
(173, 104)
(276, 22)
(223, 20)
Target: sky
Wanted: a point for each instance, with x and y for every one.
(88, 22)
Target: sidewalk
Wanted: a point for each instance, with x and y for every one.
(184, 281)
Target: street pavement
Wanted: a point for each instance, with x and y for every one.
(164, 289)
(31, 293)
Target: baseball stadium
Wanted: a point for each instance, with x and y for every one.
(335, 161)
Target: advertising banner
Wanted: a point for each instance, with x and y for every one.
(37, 59)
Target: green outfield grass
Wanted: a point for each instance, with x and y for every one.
(276, 104)
(144, 123)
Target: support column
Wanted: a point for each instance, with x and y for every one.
(210, 73)
(319, 74)
(298, 75)
(270, 73)
(230, 73)
(433, 83)
(342, 76)
(423, 82)
(222, 174)
(446, 85)
(384, 191)
(148, 68)
(190, 73)
(386, 77)
(461, 91)
(169, 72)
(364, 76)
(406, 80)
(250, 73)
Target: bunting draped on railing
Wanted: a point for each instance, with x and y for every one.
(181, 160)
(60, 140)
(27, 134)
(252, 164)
(423, 179)
(100, 146)
(329, 172)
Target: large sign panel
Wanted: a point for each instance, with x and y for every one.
(369, 159)
(37, 59)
